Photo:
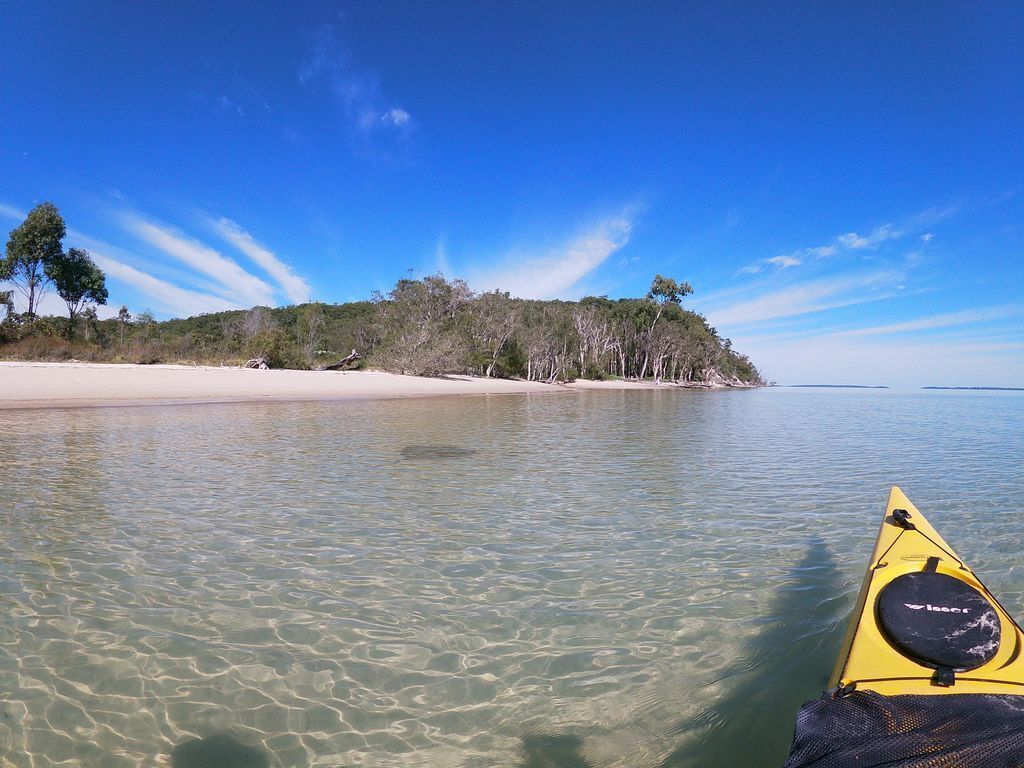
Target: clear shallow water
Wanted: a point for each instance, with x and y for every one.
(638, 579)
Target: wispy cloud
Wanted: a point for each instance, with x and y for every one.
(168, 297)
(199, 279)
(785, 261)
(558, 271)
(856, 242)
(944, 320)
(844, 243)
(233, 283)
(10, 212)
(166, 294)
(294, 286)
(395, 117)
(357, 90)
(800, 299)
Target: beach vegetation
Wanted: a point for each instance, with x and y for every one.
(431, 326)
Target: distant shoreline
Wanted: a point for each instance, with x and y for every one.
(884, 386)
(26, 385)
(983, 389)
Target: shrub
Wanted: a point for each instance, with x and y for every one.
(274, 347)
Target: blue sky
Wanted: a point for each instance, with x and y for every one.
(842, 183)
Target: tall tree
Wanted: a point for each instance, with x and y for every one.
(32, 247)
(78, 281)
(420, 326)
(91, 319)
(493, 317)
(310, 329)
(664, 290)
(123, 318)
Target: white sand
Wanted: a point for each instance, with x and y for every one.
(61, 385)
(64, 385)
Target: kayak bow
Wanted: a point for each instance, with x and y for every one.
(923, 622)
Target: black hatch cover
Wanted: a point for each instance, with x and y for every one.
(939, 620)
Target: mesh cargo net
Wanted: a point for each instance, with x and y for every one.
(868, 730)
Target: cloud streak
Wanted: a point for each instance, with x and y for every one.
(230, 286)
(10, 212)
(784, 261)
(556, 273)
(802, 299)
(945, 320)
(167, 296)
(294, 287)
(234, 283)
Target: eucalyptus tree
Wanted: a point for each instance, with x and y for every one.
(422, 326)
(493, 317)
(664, 291)
(124, 317)
(309, 330)
(78, 281)
(91, 321)
(542, 337)
(595, 334)
(33, 246)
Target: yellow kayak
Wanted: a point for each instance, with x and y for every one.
(931, 672)
(924, 623)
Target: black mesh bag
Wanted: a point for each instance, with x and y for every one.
(863, 729)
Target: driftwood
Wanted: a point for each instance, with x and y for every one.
(257, 362)
(347, 360)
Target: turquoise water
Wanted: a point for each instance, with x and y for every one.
(642, 579)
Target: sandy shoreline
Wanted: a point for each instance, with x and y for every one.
(41, 385)
(72, 384)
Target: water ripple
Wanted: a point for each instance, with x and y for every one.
(636, 579)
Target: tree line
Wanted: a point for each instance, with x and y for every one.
(426, 327)
(434, 325)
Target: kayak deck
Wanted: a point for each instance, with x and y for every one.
(923, 622)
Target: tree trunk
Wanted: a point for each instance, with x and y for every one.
(341, 363)
(647, 346)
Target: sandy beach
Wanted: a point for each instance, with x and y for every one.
(62, 385)
(73, 384)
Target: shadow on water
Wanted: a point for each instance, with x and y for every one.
(553, 752)
(435, 452)
(783, 666)
(217, 751)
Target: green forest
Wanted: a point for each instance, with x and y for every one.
(429, 326)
